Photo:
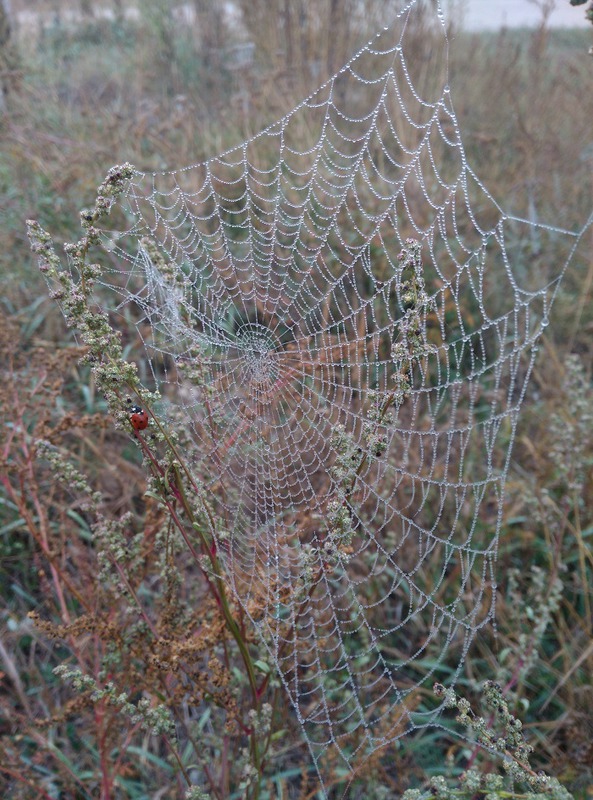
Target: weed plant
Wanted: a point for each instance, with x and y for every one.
(96, 520)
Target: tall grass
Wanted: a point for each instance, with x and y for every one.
(163, 91)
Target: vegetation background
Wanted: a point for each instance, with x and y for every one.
(163, 85)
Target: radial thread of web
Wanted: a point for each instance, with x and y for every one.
(273, 330)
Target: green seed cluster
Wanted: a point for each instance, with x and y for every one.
(501, 734)
(155, 719)
(74, 288)
(409, 342)
(67, 473)
(196, 793)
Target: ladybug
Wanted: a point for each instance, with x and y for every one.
(138, 418)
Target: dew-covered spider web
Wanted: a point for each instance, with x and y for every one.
(345, 320)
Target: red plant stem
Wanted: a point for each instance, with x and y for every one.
(180, 526)
(178, 496)
(210, 549)
(44, 539)
(131, 590)
(39, 791)
(106, 782)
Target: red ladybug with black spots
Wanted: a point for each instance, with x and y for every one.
(138, 418)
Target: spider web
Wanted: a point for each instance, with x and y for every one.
(360, 524)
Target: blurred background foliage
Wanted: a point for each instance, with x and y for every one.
(163, 85)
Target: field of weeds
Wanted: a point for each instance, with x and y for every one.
(127, 668)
